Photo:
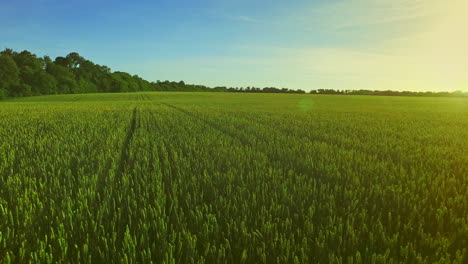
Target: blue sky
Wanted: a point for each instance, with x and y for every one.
(339, 44)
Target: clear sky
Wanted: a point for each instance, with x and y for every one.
(307, 44)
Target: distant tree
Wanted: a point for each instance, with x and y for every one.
(66, 82)
(31, 74)
(9, 74)
(44, 83)
(61, 61)
(20, 90)
(28, 61)
(3, 93)
(9, 52)
(46, 60)
(74, 60)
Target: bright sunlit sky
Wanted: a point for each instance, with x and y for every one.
(419, 45)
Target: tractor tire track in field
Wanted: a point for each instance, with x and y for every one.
(167, 178)
(212, 124)
(108, 207)
(168, 167)
(321, 176)
(306, 137)
(125, 151)
(124, 156)
(272, 157)
(295, 165)
(124, 165)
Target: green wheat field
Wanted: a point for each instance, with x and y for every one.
(238, 178)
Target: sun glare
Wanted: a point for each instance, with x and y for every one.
(447, 53)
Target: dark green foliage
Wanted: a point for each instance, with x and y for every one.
(9, 74)
(20, 90)
(45, 83)
(65, 78)
(3, 93)
(27, 61)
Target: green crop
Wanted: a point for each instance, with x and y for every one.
(233, 178)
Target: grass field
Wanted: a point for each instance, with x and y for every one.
(236, 178)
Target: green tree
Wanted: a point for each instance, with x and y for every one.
(9, 75)
(45, 83)
(26, 59)
(31, 69)
(74, 60)
(20, 90)
(66, 82)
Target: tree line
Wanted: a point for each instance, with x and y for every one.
(389, 93)
(257, 90)
(25, 74)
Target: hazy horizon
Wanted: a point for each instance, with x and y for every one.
(356, 44)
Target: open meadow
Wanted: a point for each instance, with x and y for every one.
(233, 178)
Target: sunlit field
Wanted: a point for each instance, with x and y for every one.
(237, 178)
